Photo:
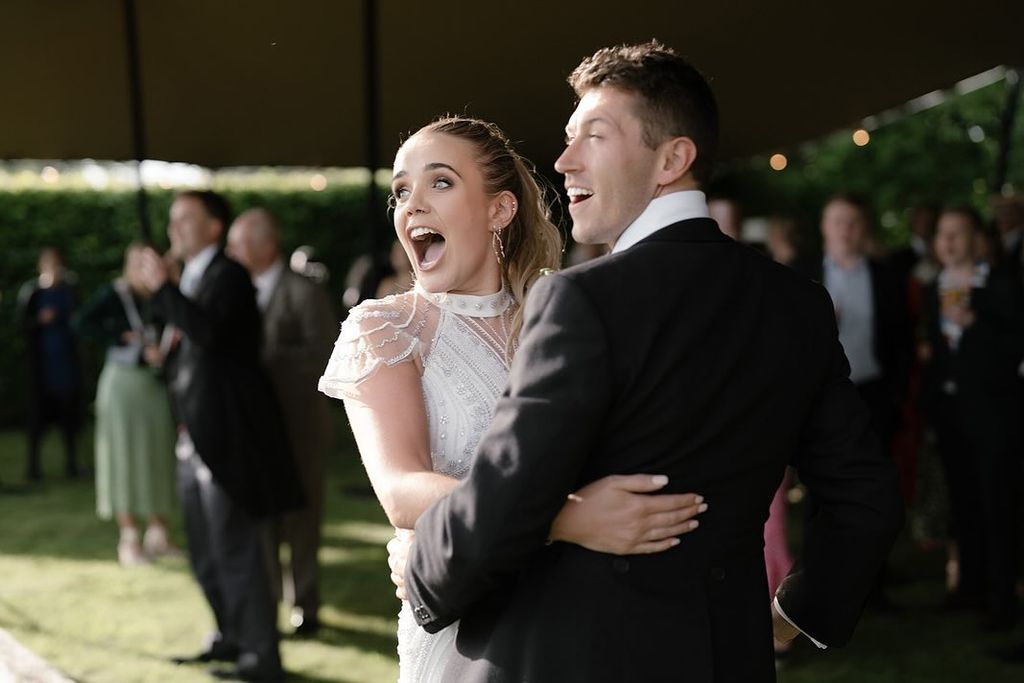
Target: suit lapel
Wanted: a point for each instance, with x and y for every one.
(204, 281)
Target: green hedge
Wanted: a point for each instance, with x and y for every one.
(93, 228)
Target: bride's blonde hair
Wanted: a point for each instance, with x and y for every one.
(531, 241)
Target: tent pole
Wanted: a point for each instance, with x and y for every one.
(135, 100)
(1006, 123)
(374, 206)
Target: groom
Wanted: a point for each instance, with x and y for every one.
(683, 353)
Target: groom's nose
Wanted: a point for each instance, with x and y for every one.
(567, 161)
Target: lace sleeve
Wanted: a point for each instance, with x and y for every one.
(376, 334)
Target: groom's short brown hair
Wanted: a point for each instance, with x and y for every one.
(679, 102)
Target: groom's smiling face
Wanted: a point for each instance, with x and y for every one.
(610, 172)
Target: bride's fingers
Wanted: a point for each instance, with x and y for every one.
(669, 502)
(673, 517)
(665, 533)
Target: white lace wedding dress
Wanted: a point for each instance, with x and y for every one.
(459, 343)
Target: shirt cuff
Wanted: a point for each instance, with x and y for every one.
(778, 608)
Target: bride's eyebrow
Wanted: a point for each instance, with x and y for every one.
(439, 164)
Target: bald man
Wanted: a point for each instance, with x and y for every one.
(298, 333)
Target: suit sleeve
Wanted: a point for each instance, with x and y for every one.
(221, 310)
(856, 510)
(528, 462)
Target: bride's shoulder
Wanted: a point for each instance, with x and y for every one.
(397, 309)
(376, 333)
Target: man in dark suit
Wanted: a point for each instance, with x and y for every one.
(234, 468)
(299, 328)
(682, 353)
(871, 304)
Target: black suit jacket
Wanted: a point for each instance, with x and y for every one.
(221, 392)
(688, 355)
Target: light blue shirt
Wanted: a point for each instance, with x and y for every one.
(853, 296)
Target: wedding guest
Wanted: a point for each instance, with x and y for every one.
(783, 243)
(783, 240)
(871, 311)
(727, 213)
(45, 307)
(134, 429)
(401, 278)
(917, 267)
(298, 335)
(870, 301)
(975, 334)
(234, 466)
(916, 256)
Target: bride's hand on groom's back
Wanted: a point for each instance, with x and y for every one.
(399, 548)
(617, 515)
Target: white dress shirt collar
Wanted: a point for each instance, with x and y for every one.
(662, 212)
(194, 268)
(266, 282)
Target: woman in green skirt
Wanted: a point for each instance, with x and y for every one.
(134, 429)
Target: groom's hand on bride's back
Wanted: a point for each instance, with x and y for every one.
(618, 515)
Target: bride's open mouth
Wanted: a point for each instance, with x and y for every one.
(429, 246)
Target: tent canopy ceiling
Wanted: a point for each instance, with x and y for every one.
(238, 82)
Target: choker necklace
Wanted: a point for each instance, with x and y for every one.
(486, 306)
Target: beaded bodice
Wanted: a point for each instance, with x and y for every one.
(459, 345)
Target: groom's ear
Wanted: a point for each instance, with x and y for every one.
(677, 156)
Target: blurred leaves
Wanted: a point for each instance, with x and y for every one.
(929, 156)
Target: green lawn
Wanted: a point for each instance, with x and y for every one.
(63, 595)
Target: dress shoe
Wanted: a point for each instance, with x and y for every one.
(250, 668)
(217, 652)
(307, 629)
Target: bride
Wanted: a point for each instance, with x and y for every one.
(420, 372)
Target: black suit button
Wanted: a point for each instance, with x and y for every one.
(620, 565)
(717, 573)
(421, 613)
